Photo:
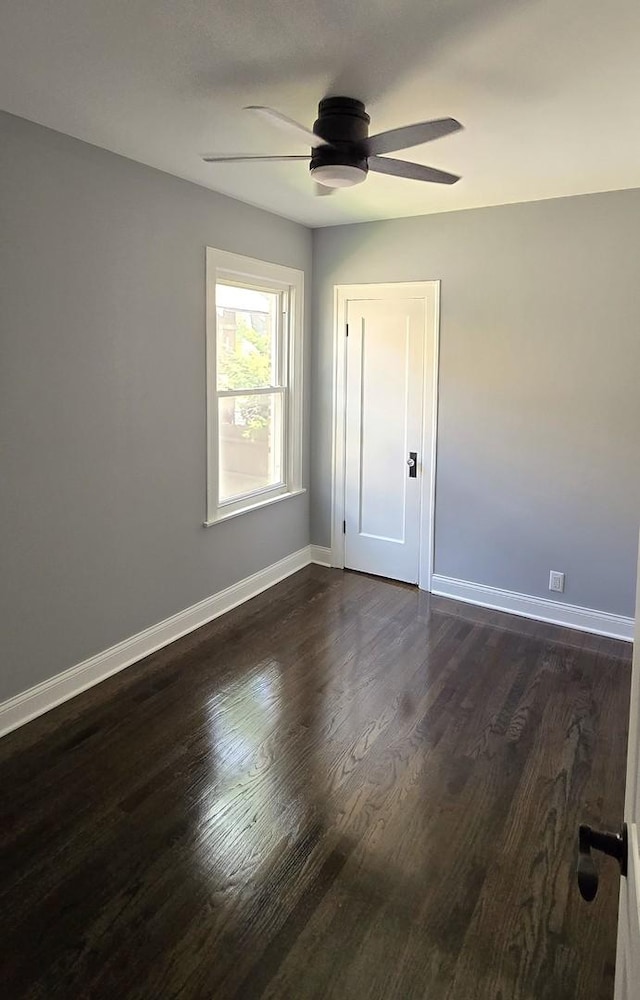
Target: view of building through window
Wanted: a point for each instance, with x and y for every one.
(250, 388)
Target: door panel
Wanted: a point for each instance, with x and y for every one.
(628, 957)
(385, 378)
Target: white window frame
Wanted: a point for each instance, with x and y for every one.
(231, 268)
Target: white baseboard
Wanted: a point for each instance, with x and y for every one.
(320, 555)
(540, 608)
(45, 696)
(40, 699)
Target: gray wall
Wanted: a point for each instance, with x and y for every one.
(102, 394)
(102, 400)
(539, 415)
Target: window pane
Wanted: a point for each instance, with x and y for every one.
(250, 432)
(247, 337)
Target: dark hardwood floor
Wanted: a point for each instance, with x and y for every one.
(345, 789)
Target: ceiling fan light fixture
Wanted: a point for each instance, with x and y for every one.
(343, 152)
(338, 175)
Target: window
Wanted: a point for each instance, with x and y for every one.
(254, 383)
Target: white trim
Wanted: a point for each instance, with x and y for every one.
(539, 608)
(430, 292)
(253, 506)
(627, 951)
(339, 427)
(320, 555)
(430, 436)
(235, 268)
(39, 699)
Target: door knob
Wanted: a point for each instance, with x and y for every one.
(412, 462)
(613, 844)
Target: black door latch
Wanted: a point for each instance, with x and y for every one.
(613, 844)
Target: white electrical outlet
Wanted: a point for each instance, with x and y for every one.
(556, 581)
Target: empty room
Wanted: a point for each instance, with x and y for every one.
(320, 496)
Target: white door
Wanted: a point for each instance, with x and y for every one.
(384, 409)
(628, 957)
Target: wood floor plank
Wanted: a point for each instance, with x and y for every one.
(343, 789)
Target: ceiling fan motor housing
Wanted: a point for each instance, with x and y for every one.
(344, 123)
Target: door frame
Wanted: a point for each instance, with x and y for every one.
(630, 886)
(430, 292)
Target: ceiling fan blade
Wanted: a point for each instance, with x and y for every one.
(410, 135)
(414, 171)
(321, 190)
(214, 158)
(293, 127)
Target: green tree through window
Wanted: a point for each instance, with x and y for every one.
(245, 363)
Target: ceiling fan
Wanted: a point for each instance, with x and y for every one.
(343, 152)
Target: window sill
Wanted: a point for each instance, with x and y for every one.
(222, 516)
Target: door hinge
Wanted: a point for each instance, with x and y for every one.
(344, 527)
(347, 328)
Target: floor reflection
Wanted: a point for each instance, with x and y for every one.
(245, 811)
(303, 799)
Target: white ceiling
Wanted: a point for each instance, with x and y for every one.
(548, 90)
